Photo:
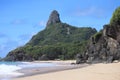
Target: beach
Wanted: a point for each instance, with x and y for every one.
(100, 71)
(56, 66)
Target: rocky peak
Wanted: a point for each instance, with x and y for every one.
(53, 18)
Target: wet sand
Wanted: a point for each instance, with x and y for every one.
(59, 66)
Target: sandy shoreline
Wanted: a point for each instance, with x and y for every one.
(93, 72)
(60, 66)
(57, 62)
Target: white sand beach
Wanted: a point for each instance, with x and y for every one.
(99, 71)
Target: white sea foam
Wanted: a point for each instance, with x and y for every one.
(10, 70)
(31, 65)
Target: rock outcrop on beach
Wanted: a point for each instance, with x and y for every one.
(57, 41)
(104, 46)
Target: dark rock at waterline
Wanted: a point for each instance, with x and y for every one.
(80, 58)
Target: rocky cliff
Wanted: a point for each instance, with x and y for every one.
(104, 46)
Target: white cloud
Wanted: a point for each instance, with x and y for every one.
(3, 38)
(40, 24)
(85, 12)
(24, 38)
(91, 11)
(2, 47)
(19, 22)
(7, 46)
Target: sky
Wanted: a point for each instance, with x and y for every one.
(21, 19)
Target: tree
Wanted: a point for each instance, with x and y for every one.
(116, 17)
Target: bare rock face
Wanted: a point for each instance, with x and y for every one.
(53, 18)
(104, 46)
(108, 46)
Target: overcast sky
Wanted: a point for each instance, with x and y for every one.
(21, 19)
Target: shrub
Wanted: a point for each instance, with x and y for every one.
(116, 17)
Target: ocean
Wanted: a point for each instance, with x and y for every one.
(9, 70)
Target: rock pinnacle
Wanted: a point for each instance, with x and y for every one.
(53, 18)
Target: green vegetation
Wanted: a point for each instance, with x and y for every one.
(97, 36)
(57, 41)
(55, 51)
(61, 33)
(116, 17)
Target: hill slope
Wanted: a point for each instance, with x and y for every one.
(62, 33)
(57, 41)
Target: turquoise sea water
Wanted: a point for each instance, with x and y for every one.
(9, 70)
(10, 63)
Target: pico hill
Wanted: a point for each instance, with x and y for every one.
(57, 41)
(53, 18)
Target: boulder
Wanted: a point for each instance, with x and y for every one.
(80, 58)
(106, 48)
